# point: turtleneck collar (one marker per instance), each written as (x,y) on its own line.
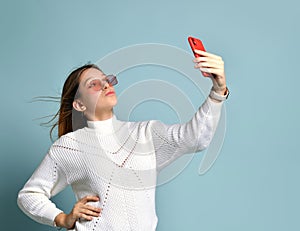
(103,126)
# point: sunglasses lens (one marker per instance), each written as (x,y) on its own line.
(96,84)
(112,80)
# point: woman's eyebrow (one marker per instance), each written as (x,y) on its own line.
(92,77)
(87,80)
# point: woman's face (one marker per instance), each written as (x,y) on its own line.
(97,97)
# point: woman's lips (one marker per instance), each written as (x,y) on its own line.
(110,93)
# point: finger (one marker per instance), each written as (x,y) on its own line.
(206,54)
(210,64)
(90,213)
(86,217)
(208,59)
(86,199)
(212,71)
(92,208)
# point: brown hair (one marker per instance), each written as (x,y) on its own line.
(68,118)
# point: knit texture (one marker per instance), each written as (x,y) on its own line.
(118,161)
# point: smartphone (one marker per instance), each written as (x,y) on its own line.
(196,44)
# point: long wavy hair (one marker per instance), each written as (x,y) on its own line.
(68,118)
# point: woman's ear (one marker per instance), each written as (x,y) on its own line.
(78,105)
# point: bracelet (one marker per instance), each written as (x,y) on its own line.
(216,96)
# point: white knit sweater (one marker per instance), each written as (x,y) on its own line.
(117,161)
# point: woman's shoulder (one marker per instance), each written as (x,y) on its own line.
(146,127)
(68,142)
(67,138)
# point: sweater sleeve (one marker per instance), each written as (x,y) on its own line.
(34,199)
(172,141)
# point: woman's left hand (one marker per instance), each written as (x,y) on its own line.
(213,65)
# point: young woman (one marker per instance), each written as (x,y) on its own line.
(112,165)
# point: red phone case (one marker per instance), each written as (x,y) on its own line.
(196,44)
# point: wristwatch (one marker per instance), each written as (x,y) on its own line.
(215,95)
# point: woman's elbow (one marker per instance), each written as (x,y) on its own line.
(204,143)
(20,200)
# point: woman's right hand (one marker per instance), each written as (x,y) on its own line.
(80,210)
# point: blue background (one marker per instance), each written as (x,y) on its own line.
(254,183)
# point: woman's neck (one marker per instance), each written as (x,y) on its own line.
(101,116)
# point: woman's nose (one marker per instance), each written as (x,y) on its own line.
(106,85)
